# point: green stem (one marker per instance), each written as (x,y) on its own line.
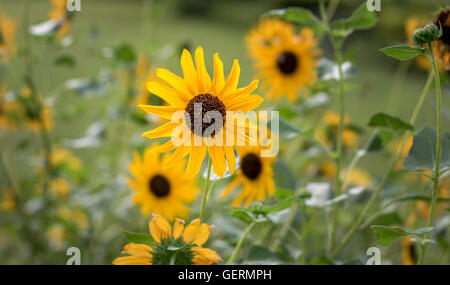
(337,46)
(356,225)
(285,228)
(205,191)
(437,172)
(240,242)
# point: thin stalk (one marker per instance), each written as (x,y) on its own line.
(437,172)
(337,46)
(240,242)
(391,167)
(205,191)
(285,228)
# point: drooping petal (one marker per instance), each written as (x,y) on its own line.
(159,228)
(190,232)
(195,160)
(203,234)
(231,159)
(218,160)
(205,256)
(132,260)
(139,250)
(178,228)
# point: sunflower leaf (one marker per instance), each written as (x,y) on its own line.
(139,238)
(402,52)
(386,121)
(423,151)
(361,19)
(294,14)
(387,235)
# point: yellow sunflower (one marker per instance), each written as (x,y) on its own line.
(329,133)
(8,29)
(59,187)
(188,239)
(62,157)
(59,13)
(161,190)
(255,174)
(408,251)
(285,60)
(218,95)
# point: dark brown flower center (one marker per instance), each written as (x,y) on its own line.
(200,109)
(444,19)
(159,186)
(287,62)
(251,166)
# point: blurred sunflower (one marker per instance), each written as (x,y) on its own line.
(217,95)
(8,203)
(255,174)
(59,187)
(328,135)
(63,157)
(76,216)
(8,29)
(33,123)
(412,23)
(189,240)
(408,251)
(161,190)
(358,177)
(57,236)
(284,59)
(442,19)
(60,13)
(8,110)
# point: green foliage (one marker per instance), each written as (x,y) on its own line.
(386,121)
(361,19)
(423,151)
(260,255)
(295,14)
(139,238)
(402,52)
(387,235)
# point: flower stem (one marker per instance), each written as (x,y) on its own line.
(240,242)
(205,191)
(436,175)
(356,225)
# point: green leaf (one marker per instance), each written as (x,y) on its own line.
(321,260)
(139,238)
(260,255)
(361,19)
(380,140)
(388,219)
(387,235)
(423,151)
(294,14)
(282,194)
(284,178)
(66,60)
(383,120)
(285,129)
(242,215)
(402,52)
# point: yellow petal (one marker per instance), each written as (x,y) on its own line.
(139,250)
(170,95)
(159,228)
(245,104)
(161,132)
(176,82)
(218,80)
(189,73)
(205,256)
(190,232)
(178,228)
(232,80)
(203,79)
(230,187)
(203,234)
(165,112)
(231,159)
(132,260)
(177,156)
(195,160)
(218,160)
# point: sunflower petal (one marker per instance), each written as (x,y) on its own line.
(203,79)
(170,95)
(195,160)
(165,112)
(132,260)
(190,232)
(159,228)
(176,82)
(245,104)
(162,131)
(232,80)
(178,228)
(219,78)
(203,234)
(189,73)
(231,159)
(218,160)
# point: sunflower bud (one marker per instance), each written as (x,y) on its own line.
(426,34)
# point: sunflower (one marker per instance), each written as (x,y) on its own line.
(64,158)
(8,29)
(255,174)
(188,240)
(284,59)
(59,187)
(408,251)
(197,88)
(161,190)
(329,134)
(59,13)
(9,202)
(443,43)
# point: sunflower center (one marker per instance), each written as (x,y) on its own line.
(202,109)
(251,166)
(287,62)
(444,18)
(159,186)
